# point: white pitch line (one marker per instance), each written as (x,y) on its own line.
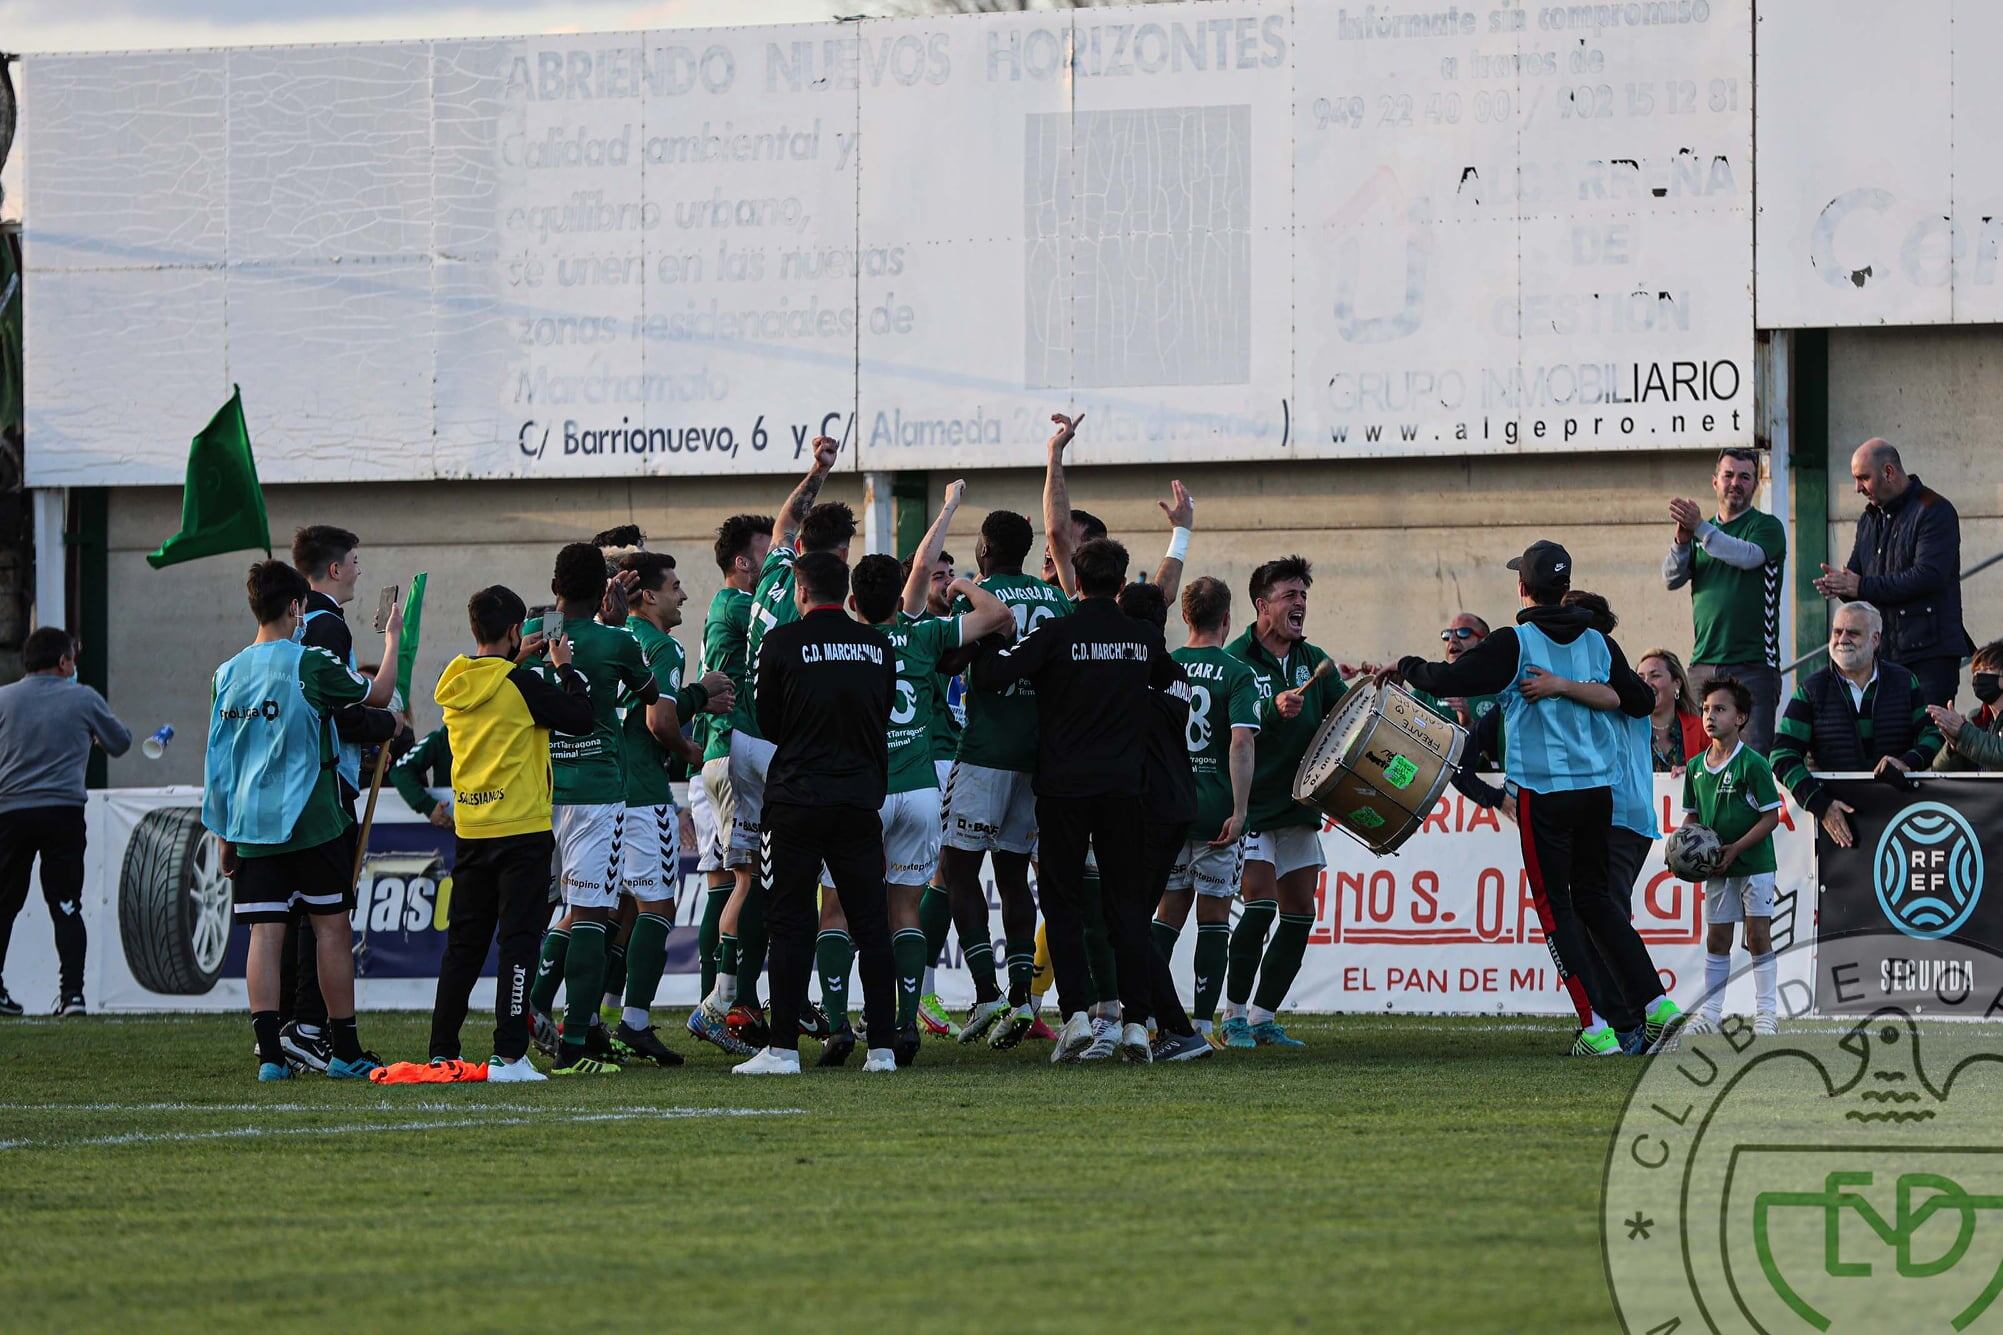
(370,1128)
(381,1105)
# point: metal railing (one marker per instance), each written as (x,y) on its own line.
(1822,649)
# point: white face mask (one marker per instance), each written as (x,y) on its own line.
(299,626)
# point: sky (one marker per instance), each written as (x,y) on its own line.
(121,25)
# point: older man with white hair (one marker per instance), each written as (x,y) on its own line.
(1906,561)
(1862,712)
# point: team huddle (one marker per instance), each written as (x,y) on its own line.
(860,741)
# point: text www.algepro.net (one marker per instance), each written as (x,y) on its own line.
(1563,404)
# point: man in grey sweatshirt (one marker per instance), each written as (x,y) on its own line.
(48,721)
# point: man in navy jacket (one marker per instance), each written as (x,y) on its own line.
(1906,562)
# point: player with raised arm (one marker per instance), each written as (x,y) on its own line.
(814,528)
(1223,731)
(1283,858)
(741,544)
(929,578)
(990,805)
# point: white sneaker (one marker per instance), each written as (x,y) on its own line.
(1105,1041)
(769,1061)
(1073,1038)
(520,1071)
(1766,1024)
(1135,1045)
(880,1059)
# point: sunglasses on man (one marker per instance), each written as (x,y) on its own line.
(1457,633)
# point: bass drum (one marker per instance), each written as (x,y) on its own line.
(1378,765)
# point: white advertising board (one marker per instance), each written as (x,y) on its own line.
(1881,187)
(1447,926)
(1241,230)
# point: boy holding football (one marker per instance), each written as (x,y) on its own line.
(1730,789)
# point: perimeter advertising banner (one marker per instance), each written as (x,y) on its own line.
(1248,229)
(1916,879)
(1446,926)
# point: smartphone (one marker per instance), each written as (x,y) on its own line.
(386,607)
(545,616)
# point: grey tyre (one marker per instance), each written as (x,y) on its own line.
(174,903)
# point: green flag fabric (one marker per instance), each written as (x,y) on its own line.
(222,505)
(406,651)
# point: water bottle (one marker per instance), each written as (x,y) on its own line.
(156,746)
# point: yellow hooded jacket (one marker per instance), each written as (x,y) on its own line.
(498,719)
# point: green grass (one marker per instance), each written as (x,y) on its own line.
(1400,1175)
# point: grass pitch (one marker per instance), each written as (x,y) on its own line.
(1399,1175)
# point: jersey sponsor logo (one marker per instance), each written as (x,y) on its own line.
(268,711)
(841,652)
(480,798)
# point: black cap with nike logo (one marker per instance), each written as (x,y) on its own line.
(1544,567)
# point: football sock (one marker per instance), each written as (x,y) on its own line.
(907,954)
(646,958)
(1021,969)
(724,988)
(1766,984)
(981,964)
(935,919)
(1213,949)
(707,934)
(342,1034)
(1283,960)
(1717,970)
(1248,943)
(834,956)
(1259,1014)
(615,973)
(584,968)
(549,970)
(1045,977)
(1165,937)
(266,1024)
(751,938)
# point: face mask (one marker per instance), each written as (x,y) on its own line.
(1988,687)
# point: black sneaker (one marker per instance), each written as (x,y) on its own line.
(1169,1047)
(71,1006)
(303,1052)
(905,1046)
(836,1050)
(647,1044)
(9,1006)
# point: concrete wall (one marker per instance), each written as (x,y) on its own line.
(1398,548)
(1937,394)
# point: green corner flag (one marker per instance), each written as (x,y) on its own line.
(222,505)
(406,650)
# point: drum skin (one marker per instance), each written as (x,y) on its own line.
(1378,765)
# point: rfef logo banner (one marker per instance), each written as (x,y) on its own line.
(1914,877)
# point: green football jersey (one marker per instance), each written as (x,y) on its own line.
(723,634)
(1478,706)
(1731,799)
(1736,613)
(1282,742)
(1223,696)
(328,684)
(648,764)
(951,718)
(589,770)
(1001,726)
(919,642)
(772,605)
